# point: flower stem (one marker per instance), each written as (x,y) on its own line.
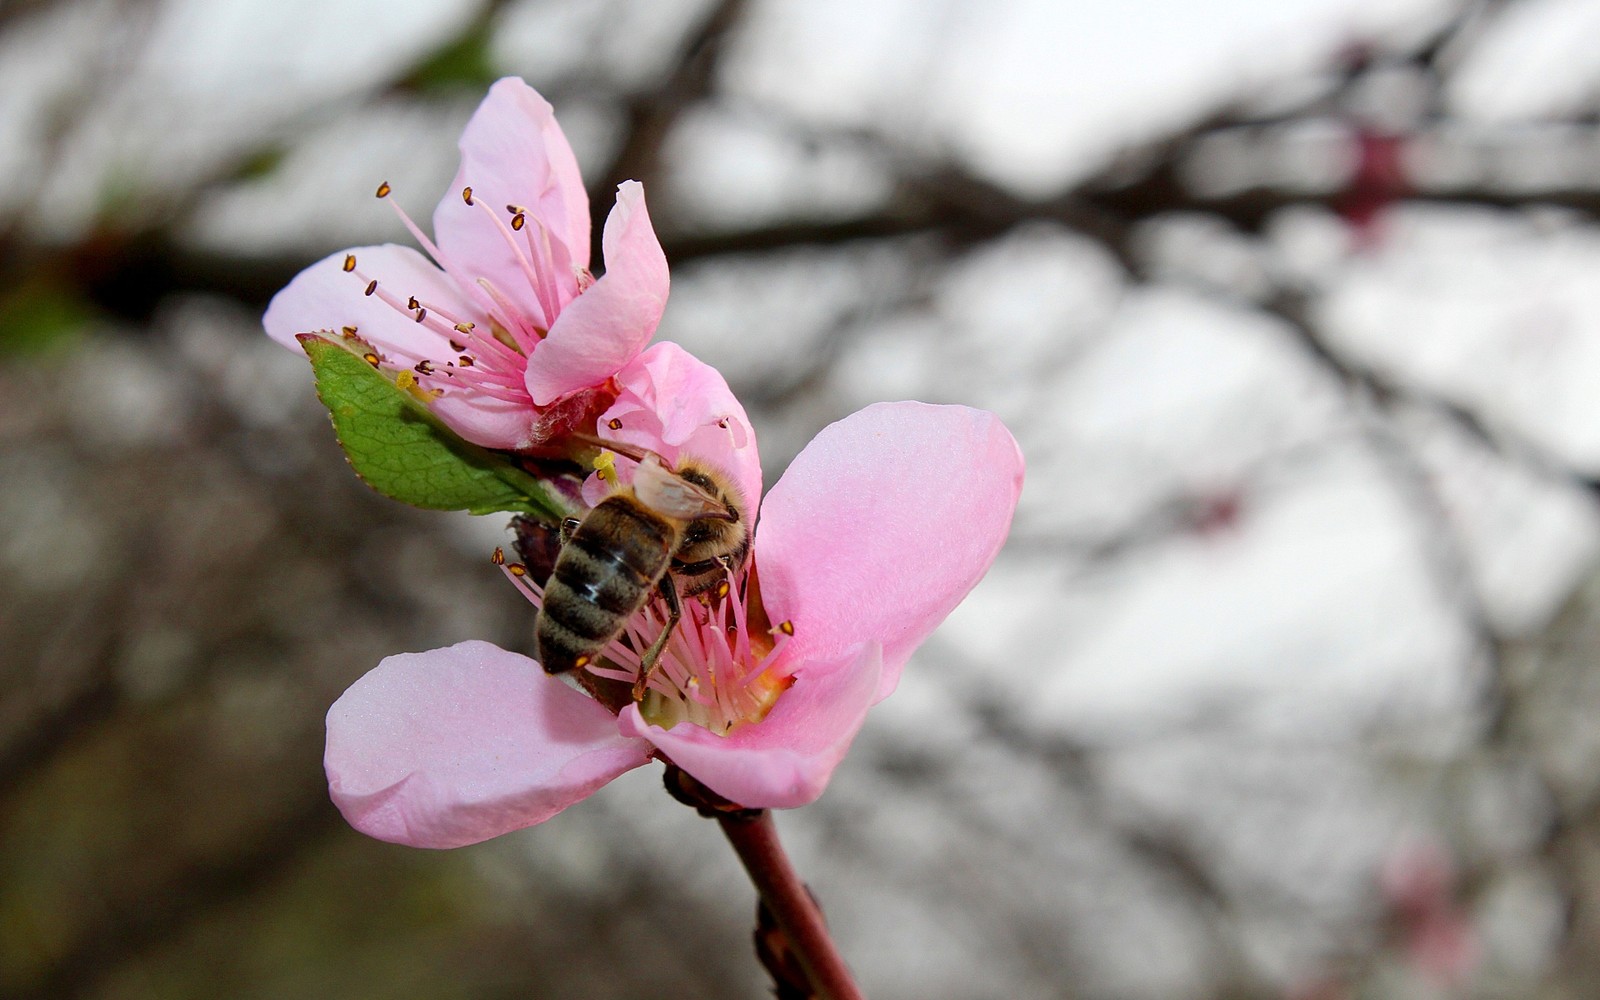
(754,837)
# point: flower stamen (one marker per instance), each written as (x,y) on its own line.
(544,250)
(528,270)
(526,331)
(502,378)
(488,304)
(494,349)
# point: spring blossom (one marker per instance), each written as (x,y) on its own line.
(510,334)
(875,532)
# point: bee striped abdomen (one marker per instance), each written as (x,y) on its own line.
(605,573)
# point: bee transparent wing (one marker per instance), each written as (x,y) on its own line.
(669,494)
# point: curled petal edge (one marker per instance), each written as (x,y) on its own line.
(607,326)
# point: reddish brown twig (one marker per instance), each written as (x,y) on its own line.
(797,932)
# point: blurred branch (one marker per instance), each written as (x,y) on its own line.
(46,734)
(127,274)
(650,115)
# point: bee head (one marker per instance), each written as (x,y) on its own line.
(710,541)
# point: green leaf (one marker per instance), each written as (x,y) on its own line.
(401,450)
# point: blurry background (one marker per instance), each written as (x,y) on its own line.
(1283,687)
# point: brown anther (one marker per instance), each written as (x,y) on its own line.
(423,367)
(458,348)
(349,262)
(722,589)
(348,331)
(515,209)
(582,661)
(412,303)
(517,569)
(466,195)
(422,314)
(370,358)
(518,221)
(723,423)
(787,627)
(499,557)
(614,424)
(383,190)
(466,360)
(463,328)
(372,286)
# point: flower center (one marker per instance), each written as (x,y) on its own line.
(491,358)
(713,672)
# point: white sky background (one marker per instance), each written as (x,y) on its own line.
(1316,616)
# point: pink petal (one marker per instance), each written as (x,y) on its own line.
(457,745)
(784,760)
(677,406)
(883,524)
(607,326)
(486,420)
(514,153)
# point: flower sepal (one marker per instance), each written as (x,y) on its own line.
(399,448)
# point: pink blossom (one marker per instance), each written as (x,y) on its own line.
(1418,883)
(510,332)
(1378,180)
(876,531)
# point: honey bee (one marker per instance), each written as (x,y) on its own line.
(672,528)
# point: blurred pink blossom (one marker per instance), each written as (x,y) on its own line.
(1436,934)
(1378,180)
(514,337)
(878,529)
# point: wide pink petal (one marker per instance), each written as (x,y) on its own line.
(607,326)
(883,524)
(457,745)
(514,153)
(679,407)
(784,760)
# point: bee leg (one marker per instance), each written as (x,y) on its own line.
(647,662)
(701,579)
